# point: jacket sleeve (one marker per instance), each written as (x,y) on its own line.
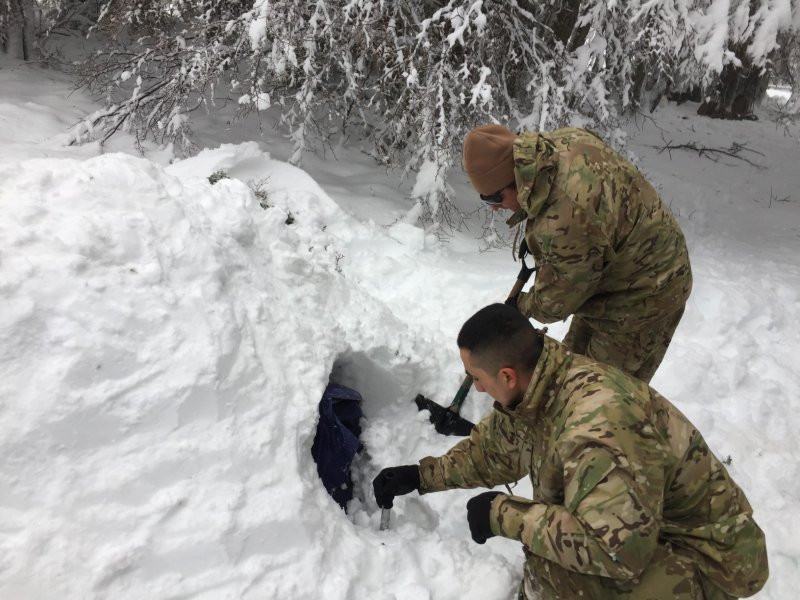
(569,248)
(495,453)
(608,524)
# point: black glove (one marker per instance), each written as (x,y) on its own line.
(525,272)
(395,481)
(478,509)
(523,251)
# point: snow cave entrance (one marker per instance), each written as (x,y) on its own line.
(362,389)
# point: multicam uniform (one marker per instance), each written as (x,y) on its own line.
(629,502)
(607,249)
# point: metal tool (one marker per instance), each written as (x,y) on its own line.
(447,420)
(386,513)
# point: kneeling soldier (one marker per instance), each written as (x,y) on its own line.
(629,502)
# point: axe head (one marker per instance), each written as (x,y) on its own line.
(445,421)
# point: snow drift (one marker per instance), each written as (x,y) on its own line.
(166,343)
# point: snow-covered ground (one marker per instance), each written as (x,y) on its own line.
(164,343)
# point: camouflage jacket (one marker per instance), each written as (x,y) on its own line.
(605,245)
(616,470)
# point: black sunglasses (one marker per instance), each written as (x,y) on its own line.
(496,198)
(490,199)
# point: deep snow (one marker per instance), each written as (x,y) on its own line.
(164,342)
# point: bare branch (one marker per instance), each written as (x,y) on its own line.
(712,154)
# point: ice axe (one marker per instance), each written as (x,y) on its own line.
(448,421)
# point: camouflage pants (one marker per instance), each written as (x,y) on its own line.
(637,352)
(668,577)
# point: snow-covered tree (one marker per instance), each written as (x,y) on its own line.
(745,37)
(410,77)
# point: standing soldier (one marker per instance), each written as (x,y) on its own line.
(629,502)
(608,251)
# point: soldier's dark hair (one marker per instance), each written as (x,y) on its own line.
(499,336)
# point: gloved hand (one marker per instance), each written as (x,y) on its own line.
(395,481)
(524,274)
(478,509)
(523,251)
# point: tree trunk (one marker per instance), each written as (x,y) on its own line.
(786,67)
(561,19)
(16,28)
(738,90)
(563,25)
(647,86)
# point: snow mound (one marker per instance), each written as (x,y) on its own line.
(165,342)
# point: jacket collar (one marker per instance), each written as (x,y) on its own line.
(536,164)
(546,381)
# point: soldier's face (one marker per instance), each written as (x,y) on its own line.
(509,200)
(503,386)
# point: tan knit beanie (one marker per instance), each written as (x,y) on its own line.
(489,158)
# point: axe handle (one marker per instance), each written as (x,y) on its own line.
(461,394)
(518,285)
(463,390)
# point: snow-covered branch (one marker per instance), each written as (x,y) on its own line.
(413,77)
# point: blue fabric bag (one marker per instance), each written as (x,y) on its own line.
(336,442)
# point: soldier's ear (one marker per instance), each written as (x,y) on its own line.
(509,377)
